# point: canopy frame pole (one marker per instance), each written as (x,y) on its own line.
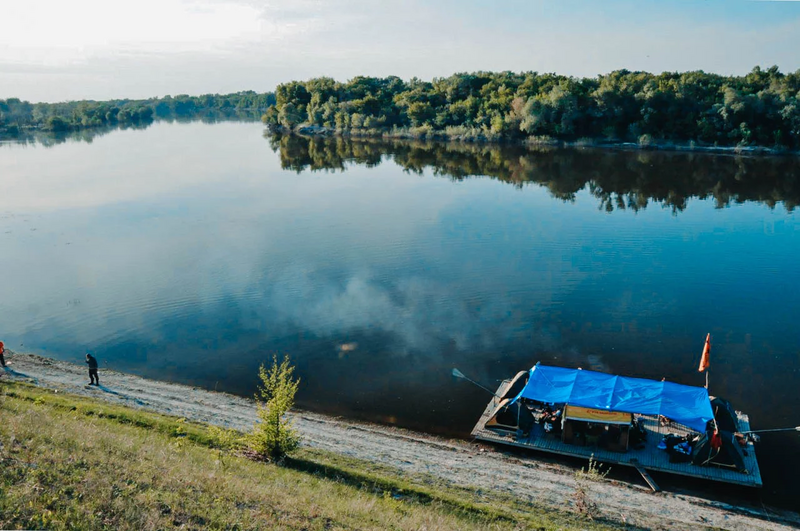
(796,428)
(459,374)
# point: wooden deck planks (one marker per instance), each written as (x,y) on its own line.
(639,468)
(650,457)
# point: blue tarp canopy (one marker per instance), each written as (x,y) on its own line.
(684,404)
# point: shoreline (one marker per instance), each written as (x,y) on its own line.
(459,463)
(532,142)
(36,133)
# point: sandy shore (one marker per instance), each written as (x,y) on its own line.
(459,463)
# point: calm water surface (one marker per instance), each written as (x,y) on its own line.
(192,252)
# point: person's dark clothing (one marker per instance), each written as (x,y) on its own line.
(2,359)
(92,362)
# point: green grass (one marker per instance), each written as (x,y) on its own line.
(68,462)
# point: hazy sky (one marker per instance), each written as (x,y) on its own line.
(52,50)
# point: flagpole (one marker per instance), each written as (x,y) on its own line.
(704,358)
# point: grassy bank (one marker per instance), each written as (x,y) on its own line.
(471,135)
(74,463)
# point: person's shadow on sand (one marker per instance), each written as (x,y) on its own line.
(101,387)
(105,389)
(109,391)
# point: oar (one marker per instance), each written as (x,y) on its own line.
(459,374)
(796,428)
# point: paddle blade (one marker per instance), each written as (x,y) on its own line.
(458,374)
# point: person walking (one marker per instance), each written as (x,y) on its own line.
(2,353)
(92,362)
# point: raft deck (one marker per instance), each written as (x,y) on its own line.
(649,457)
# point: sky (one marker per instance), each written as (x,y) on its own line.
(51,50)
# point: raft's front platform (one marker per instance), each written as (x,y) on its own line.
(649,457)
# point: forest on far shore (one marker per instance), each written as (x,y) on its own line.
(17,116)
(761,108)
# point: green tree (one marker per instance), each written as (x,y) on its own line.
(420,113)
(289,115)
(553,113)
(273,436)
(57,124)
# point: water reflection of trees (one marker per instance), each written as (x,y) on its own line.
(620,180)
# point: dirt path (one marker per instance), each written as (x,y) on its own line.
(460,463)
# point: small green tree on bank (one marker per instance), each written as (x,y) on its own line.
(273,436)
(584,503)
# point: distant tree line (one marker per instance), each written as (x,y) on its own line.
(620,180)
(18,117)
(761,108)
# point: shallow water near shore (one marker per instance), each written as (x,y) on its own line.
(193,252)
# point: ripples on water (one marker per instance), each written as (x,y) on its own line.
(192,252)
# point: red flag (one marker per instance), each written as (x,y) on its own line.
(704,361)
(716,440)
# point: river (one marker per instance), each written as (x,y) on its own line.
(194,252)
